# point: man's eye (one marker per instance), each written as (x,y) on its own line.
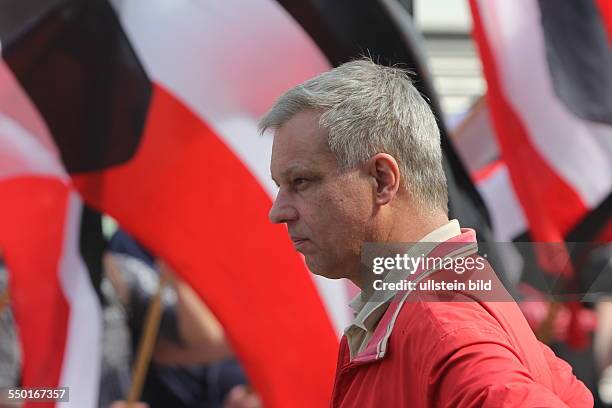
(299,181)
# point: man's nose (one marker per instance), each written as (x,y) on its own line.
(282,211)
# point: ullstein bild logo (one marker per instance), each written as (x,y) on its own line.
(432,285)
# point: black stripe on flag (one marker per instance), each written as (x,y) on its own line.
(78,67)
(92,246)
(593,223)
(19,16)
(579,57)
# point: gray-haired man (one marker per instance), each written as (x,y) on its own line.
(357,159)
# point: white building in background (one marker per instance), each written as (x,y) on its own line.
(453,58)
(455,65)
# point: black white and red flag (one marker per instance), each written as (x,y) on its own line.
(548,66)
(56,309)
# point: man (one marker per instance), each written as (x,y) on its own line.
(357,159)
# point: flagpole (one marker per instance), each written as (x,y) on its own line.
(4,300)
(4,295)
(147,343)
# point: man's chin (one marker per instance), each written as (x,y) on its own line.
(319,269)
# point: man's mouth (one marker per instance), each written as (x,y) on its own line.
(298,242)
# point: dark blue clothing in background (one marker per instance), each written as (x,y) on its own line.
(197,386)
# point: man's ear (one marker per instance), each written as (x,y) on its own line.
(384,170)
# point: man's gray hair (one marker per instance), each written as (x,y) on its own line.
(366,109)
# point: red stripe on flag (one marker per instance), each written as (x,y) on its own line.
(32,217)
(188,198)
(605,9)
(486,172)
(551,206)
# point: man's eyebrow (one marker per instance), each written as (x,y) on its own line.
(294,168)
(291,169)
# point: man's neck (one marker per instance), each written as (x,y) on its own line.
(408,229)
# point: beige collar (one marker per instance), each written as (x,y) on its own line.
(369,313)
(441,234)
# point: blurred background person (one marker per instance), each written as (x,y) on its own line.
(193,365)
(10,355)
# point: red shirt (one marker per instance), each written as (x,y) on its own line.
(455,354)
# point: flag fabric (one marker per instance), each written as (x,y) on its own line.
(57,312)
(475,140)
(507,217)
(550,96)
(475,136)
(548,67)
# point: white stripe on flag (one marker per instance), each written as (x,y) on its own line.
(83,340)
(336,297)
(507,217)
(27,147)
(22,154)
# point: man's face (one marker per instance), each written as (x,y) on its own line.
(328,214)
